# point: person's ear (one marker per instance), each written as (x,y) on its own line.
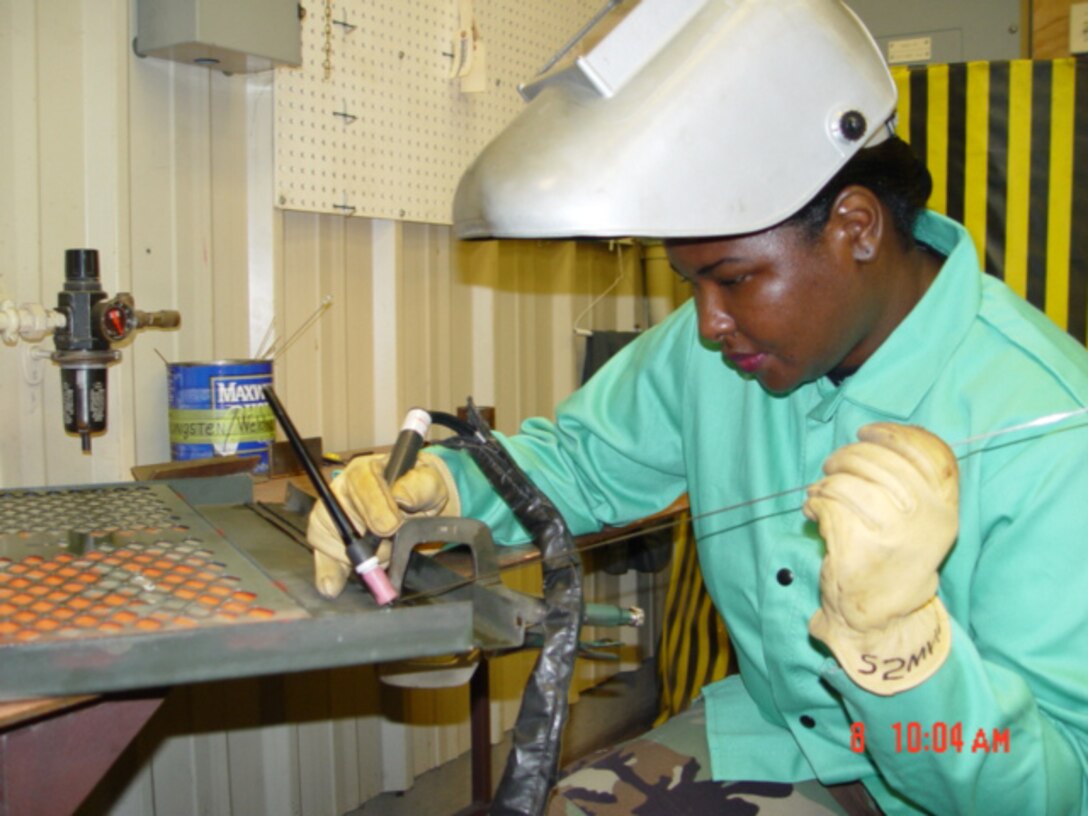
(857,223)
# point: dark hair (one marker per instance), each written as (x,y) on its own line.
(892,171)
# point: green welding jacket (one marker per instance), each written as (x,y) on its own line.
(1002,726)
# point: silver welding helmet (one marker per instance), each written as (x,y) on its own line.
(686,118)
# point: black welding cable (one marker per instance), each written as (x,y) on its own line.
(533,764)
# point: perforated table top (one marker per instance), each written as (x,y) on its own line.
(78,563)
(127,586)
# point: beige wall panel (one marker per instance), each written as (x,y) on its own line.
(506,347)
(522,340)
(438,720)
(171,765)
(368,731)
(229,217)
(433,323)
(367,361)
(297,376)
(308,704)
(450,378)
(434,289)
(356,369)
(478,272)
(1050,28)
(152,249)
(356,695)
(247,753)
(331,331)
(565,347)
(190,122)
(333,358)
(419,309)
(542,277)
(173,236)
(61,138)
(188,244)
(264,227)
(386,309)
(106,204)
(21,409)
(631,311)
(465,375)
(213,712)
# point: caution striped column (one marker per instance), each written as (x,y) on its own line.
(1007,144)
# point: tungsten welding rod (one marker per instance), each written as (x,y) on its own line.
(361,549)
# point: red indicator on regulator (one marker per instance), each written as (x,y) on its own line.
(116,323)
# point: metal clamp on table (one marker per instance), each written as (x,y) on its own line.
(501,615)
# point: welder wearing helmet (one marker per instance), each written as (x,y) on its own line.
(913,639)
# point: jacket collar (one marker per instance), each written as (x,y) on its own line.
(899,374)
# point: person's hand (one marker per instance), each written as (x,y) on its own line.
(426,490)
(888,512)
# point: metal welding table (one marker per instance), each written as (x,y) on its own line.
(111,594)
(124,590)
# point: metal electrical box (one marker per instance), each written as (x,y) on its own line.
(233,36)
(939,31)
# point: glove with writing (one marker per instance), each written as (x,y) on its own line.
(372,504)
(888,512)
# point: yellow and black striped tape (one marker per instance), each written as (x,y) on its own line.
(694,648)
(1007,144)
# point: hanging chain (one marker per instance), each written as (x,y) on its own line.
(327,64)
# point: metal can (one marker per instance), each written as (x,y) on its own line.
(218,409)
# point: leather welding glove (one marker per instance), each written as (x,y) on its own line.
(372,504)
(888,512)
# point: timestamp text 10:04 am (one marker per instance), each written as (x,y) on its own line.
(937,738)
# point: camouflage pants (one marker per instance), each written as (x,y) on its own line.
(666,772)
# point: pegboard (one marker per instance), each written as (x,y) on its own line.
(374,124)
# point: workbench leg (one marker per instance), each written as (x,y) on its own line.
(48,767)
(479,705)
(479,691)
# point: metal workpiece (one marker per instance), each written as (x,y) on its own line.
(117,587)
(501,616)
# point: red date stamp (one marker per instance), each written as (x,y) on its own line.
(937,738)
